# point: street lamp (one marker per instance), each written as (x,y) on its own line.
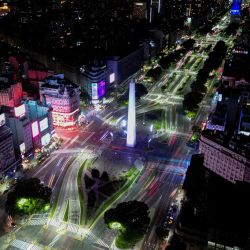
(151,127)
(112,135)
(149,142)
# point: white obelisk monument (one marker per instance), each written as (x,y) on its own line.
(131,123)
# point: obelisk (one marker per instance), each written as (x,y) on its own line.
(131,123)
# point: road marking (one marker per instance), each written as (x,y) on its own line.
(64,165)
(75,138)
(90,124)
(87,138)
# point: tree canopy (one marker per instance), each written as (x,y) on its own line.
(28,196)
(131,219)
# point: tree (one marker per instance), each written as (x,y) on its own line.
(191,100)
(163,88)
(105,176)
(29,196)
(131,219)
(140,90)
(161,232)
(155,73)
(95,173)
(188,44)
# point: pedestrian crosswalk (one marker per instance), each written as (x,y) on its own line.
(36,222)
(93,238)
(23,245)
(72,228)
(55,222)
(38,219)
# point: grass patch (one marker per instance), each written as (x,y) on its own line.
(80,191)
(54,207)
(107,204)
(157,125)
(131,172)
(191,114)
(66,214)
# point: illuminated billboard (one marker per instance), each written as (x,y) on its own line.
(20,111)
(44,124)
(45,140)
(2,120)
(112,78)
(94,91)
(235,10)
(101,88)
(35,129)
(22,147)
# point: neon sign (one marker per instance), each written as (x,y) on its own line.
(35,129)
(44,124)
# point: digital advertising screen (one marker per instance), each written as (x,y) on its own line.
(112,78)
(35,129)
(2,119)
(44,124)
(45,140)
(94,91)
(101,88)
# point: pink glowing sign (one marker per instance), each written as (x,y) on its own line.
(35,129)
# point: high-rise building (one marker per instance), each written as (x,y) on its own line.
(95,79)
(64,98)
(31,125)
(155,9)
(17,120)
(140,10)
(225,141)
(7,154)
(41,122)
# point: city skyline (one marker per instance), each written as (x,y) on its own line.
(109,107)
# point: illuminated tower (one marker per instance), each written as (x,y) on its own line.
(155,8)
(131,127)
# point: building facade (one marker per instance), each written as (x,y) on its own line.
(224,161)
(95,80)
(7,154)
(10,92)
(124,67)
(31,125)
(63,97)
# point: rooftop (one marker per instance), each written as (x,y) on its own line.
(237,143)
(217,205)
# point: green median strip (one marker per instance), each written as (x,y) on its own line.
(107,204)
(80,191)
(86,163)
(66,214)
(53,208)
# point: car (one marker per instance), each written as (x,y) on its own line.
(170,221)
(13,225)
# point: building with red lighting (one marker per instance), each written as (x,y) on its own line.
(64,98)
(31,125)
(10,92)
